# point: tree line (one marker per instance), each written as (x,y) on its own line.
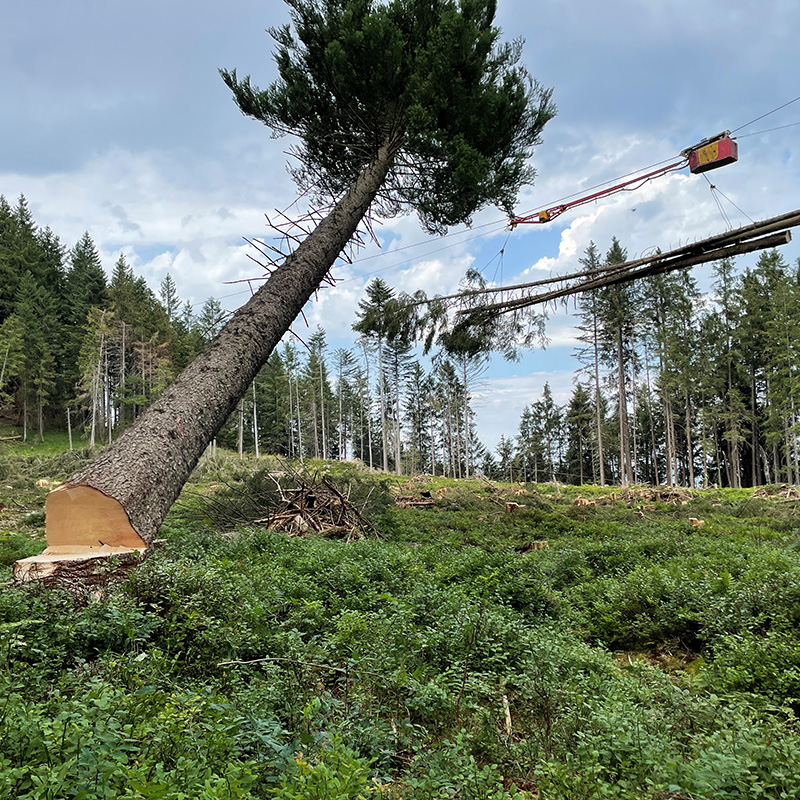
(78,349)
(81,351)
(676,386)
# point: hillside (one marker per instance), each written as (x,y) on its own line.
(555,649)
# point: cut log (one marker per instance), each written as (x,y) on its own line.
(57,564)
(79,516)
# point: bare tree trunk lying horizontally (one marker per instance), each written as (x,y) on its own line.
(120,499)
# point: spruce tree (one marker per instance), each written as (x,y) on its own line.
(579,424)
(40,328)
(589,354)
(86,283)
(616,311)
(397,106)
(12,355)
(374,324)
(168,292)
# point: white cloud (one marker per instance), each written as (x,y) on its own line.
(499,401)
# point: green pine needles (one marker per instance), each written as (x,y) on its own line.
(429,82)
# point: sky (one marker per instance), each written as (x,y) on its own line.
(114,120)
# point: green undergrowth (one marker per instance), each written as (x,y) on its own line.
(552,651)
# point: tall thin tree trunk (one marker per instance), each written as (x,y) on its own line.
(122,371)
(651,420)
(107,392)
(794,442)
(314,427)
(342,451)
(5,361)
(703,439)
(465,416)
(635,430)
(299,420)
(717,454)
(382,395)
(398,464)
(669,442)
(255,421)
(95,390)
(597,405)
(369,438)
(689,446)
(626,476)
(290,425)
(240,430)
(433,445)
(322,412)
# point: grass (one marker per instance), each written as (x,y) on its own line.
(53,443)
(554,651)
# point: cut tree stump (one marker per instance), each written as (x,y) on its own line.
(84,528)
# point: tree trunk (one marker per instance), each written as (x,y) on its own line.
(597,409)
(314,428)
(255,422)
(382,395)
(322,411)
(40,418)
(146,468)
(689,445)
(651,421)
(107,392)
(626,475)
(240,431)
(290,421)
(467,442)
(5,361)
(299,419)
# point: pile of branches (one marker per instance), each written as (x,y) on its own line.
(785,492)
(291,502)
(655,494)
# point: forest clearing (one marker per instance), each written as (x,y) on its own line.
(243,560)
(499,640)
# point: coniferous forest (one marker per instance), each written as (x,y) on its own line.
(677,386)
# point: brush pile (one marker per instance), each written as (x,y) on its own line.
(316,505)
(774,492)
(292,502)
(654,494)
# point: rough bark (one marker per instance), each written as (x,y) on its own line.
(145,469)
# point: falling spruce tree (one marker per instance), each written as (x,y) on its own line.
(395,106)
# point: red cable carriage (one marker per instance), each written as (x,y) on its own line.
(707,154)
(716,151)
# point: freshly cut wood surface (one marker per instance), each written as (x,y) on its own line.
(80,516)
(83,527)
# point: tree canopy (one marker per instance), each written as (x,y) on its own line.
(428,80)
